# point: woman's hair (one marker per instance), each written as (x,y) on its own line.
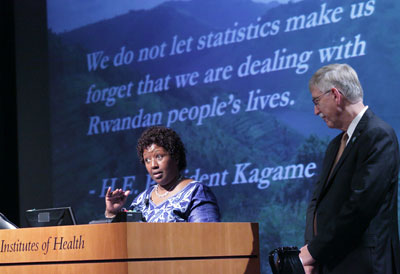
(166,138)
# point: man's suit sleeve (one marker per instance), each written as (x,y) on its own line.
(309,231)
(308,234)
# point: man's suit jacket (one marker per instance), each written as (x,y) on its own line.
(356,208)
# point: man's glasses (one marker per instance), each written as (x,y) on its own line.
(318,98)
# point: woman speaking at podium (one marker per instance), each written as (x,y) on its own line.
(173,198)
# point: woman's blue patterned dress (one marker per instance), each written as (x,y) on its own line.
(194,203)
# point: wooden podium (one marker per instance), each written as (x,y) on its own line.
(132,248)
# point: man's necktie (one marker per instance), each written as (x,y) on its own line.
(343,143)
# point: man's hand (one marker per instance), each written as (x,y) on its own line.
(308,261)
(310,269)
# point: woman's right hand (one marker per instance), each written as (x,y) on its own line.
(115,200)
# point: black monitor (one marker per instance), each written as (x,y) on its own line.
(50,217)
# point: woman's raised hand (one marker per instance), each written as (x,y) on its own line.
(115,200)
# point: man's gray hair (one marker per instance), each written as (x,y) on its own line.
(340,76)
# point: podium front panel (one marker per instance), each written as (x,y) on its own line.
(132,248)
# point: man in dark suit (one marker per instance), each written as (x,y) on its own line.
(352,223)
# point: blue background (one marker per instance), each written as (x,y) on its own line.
(276,137)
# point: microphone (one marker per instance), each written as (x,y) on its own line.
(146,200)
